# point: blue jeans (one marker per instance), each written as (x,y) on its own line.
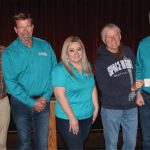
(112,119)
(26,119)
(73,141)
(144,112)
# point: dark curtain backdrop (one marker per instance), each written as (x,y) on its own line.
(54,20)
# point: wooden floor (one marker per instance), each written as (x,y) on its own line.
(95,141)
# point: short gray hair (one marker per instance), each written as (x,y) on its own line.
(109,26)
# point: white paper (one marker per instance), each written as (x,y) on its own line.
(147,82)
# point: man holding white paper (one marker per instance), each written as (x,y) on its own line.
(143,94)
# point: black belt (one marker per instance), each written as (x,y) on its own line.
(145,93)
(35,97)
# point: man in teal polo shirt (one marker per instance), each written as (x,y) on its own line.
(27,64)
(143,94)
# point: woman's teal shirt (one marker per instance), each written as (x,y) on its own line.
(78,90)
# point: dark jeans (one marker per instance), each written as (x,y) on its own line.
(27,118)
(145,122)
(73,141)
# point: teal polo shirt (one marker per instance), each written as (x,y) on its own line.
(78,90)
(27,70)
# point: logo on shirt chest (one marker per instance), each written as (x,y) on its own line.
(118,66)
(42,54)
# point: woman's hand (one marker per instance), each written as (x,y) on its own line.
(73,122)
(95,115)
(74,127)
(95,102)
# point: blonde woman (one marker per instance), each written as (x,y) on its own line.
(76,95)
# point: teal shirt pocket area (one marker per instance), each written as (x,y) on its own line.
(78,90)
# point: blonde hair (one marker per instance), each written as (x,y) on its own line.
(110,26)
(64,55)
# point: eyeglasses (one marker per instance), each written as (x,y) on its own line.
(110,38)
(28,27)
